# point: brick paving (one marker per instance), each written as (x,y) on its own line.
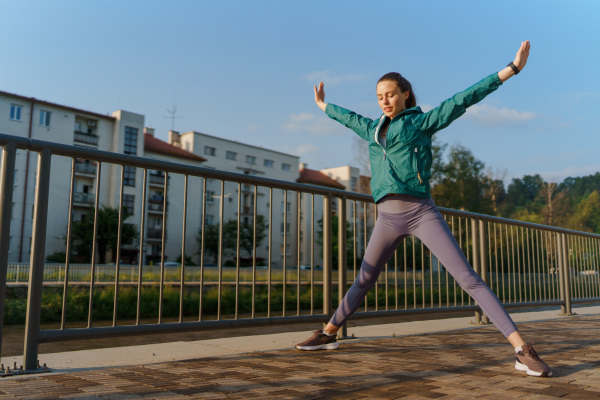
(474,363)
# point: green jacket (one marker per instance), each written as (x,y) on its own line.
(404,166)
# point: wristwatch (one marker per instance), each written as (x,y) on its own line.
(513,67)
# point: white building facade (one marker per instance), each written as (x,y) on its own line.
(121,132)
(124,132)
(231,156)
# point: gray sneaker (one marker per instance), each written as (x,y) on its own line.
(529,361)
(319,341)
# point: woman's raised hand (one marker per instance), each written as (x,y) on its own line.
(522,55)
(320,96)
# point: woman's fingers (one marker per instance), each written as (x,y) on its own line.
(522,54)
(320,92)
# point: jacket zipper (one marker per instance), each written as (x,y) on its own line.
(381,121)
(417,164)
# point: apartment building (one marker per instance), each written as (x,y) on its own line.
(121,132)
(172,216)
(231,156)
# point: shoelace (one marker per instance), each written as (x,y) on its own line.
(533,354)
(320,334)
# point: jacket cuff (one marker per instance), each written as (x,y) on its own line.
(495,80)
(330,110)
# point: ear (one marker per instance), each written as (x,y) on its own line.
(406,94)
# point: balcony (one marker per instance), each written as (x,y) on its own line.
(156,207)
(156,179)
(85,199)
(87,138)
(85,168)
(154,233)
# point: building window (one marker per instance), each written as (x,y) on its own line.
(209,151)
(45,118)
(231,155)
(251,159)
(131,135)
(208,219)
(210,196)
(287,226)
(128,203)
(269,163)
(15,112)
(286,167)
(288,206)
(129,176)
(353,183)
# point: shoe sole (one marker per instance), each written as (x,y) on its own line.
(519,366)
(328,346)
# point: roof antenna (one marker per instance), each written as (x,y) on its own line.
(173,117)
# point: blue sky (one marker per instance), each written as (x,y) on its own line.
(244,70)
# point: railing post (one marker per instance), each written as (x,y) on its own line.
(342,259)
(7,180)
(475,252)
(483,252)
(561,278)
(566,271)
(36,263)
(327,259)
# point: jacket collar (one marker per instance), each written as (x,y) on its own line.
(383,118)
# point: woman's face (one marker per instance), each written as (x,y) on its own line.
(391,100)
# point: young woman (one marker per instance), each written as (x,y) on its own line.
(400,156)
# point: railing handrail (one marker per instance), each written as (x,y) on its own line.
(169,166)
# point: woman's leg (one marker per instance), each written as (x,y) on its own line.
(384,241)
(438,238)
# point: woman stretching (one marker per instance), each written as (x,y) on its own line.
(400,156)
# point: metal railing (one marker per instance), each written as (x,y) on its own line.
(525,264)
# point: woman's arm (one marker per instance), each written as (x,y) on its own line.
(449,110)
(519,62)
(359,124)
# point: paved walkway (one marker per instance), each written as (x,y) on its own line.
(468,363)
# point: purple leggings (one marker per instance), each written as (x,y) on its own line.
(403,215)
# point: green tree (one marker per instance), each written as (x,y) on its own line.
(247,234)
(523,193)
(494,193)
(587,214)
(552,197)
(211,240)
(82,233)
(437,163)
(230,231)
(462,184)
